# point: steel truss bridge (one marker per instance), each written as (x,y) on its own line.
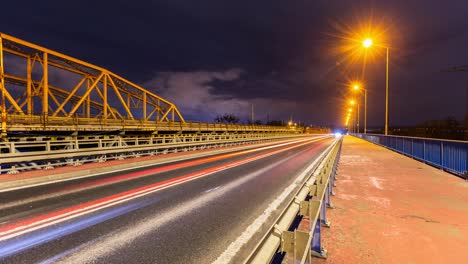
(44,90)
(58,110)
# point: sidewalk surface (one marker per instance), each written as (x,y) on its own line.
(392,209)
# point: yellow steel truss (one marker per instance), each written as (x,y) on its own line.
(26,89)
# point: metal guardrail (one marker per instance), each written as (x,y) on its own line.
(50,154)
(41,123)
(449,155)
(309,206)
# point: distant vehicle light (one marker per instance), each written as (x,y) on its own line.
(338,135)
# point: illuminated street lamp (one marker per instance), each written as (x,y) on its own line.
(367,43)
(357,87)
(350,110)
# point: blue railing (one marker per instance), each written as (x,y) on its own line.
(449,155)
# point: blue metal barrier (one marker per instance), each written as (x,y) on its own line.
(449,155)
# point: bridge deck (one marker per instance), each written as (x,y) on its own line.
(393,209)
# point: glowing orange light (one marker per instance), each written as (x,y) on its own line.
(358,41)
(367,43)
(352,102)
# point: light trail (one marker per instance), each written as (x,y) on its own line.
(140,174)
(32,224)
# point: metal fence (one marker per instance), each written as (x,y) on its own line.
(292,241)
(449,155)
(29,155)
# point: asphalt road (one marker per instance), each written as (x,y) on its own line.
(182,212)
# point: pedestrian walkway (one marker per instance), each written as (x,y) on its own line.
(390,208)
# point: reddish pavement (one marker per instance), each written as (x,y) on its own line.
(392,209)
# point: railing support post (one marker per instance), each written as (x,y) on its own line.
(327,196)
(316,244)
(323,214)
(424,150)
(442,155)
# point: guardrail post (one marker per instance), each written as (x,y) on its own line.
(316,244)
(331,183)
(323,215)
(327,197)
(295,243)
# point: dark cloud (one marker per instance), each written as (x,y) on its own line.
(279,52)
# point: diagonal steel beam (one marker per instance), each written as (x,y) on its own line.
(80,83)
(78,104)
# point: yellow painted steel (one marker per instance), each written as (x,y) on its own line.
(99,93)
(3,90)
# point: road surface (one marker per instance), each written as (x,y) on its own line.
(182,212)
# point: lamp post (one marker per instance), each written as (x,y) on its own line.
(348,117)
(367,43)
(357,87)
(352,102)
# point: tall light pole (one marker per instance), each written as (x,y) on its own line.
(358,87)
(365,111)
(348,117)
(367,43)
(352,102)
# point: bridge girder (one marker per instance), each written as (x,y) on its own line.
(81,89)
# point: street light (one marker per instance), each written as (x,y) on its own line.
(367,43)
(357,87)
(350,110)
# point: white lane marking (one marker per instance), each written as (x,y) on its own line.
(108,203)
(212,189)
(376,182)
(121,238)
(126,169)
(48,196)
(253,228)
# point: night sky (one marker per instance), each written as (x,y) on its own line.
(283,56)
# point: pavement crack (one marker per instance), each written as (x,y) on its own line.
(420,218)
